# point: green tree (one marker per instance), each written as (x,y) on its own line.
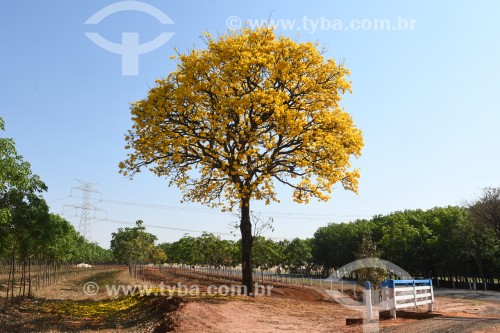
(445,249)
(266,254)
(368,250)
(16,181)
(158,256)
(334,245)
(133,245)
(215,251)
(479,245)
(297,254)
(485,211)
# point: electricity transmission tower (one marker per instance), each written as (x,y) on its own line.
(86,207)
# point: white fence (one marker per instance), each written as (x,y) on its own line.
(398,294)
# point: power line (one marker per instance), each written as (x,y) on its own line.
(165,227)
(300,216)
(56,200)
(177,229)
(164,207)
(86,207)
(173,228)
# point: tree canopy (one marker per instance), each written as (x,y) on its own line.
(135,245)
(250,109)
(485,210)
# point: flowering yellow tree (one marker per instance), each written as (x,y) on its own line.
(250,109)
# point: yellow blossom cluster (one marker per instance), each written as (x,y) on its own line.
(250,109)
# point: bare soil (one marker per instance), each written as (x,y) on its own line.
(457,312)
(64,307)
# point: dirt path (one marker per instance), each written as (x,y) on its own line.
(72,287)
(460,311)
(449,325)
(293,315)
(287,308)
(263,315)
(64,307)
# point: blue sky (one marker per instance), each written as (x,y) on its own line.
(425,98)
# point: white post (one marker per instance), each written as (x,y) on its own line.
(368,301)
(392,300)
(431,304)
(414,293)
(384,298)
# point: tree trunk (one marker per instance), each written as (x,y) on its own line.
(8,285)
(13,281)
(479,263)
(29,278)
(246,246)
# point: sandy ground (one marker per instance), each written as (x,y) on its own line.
(72,287)
(289,308)
(263,315)
(455,311)
(460,311)
(36,315)
(276,315)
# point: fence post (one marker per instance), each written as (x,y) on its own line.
(384,296)
(392,298)
(368,300)
(431,304)
(414,293)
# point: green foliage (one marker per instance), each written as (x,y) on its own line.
(266,253)
(334,245)
(441,241)
(297,254)
(485,211)
(135,245)
(28,232)
(15,174)
(214,251)
(208,249)
(368,249)
(16,182)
